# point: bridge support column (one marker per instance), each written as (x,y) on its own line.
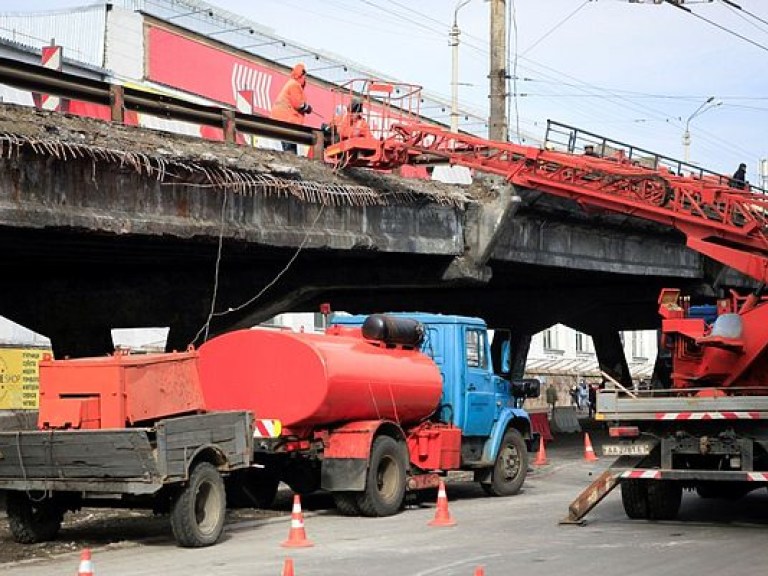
(519,344)
(610,356)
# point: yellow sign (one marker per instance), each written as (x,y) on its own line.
(19,378)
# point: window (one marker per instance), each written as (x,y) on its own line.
(475,347)
(549,337)
(638,345)
(583,343)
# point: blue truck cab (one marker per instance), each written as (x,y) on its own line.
(476,399)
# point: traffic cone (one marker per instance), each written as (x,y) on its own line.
(86,566)
(442,514)
(541,456)
(479,571)
(287,568)
(297,538)
(589,453)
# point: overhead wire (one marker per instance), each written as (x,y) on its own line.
(512,26)
(423,23)
(740,8)
(746,19)
(280,274)
(716,25)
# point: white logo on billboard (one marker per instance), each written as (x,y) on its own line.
(246,78)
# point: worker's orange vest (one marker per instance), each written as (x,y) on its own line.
(288,102)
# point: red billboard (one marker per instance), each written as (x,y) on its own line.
(217,74)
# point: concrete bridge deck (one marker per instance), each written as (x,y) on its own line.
(105,226)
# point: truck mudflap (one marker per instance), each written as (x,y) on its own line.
(593,494)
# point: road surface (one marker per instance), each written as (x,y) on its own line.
(517,535)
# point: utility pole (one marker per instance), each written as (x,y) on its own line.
(497,124)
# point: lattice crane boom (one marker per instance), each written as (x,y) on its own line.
(724,223)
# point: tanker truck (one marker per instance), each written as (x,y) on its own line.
(374,407)
(366,410)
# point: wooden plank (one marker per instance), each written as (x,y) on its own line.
(126,486)
(83,454)
(178,439)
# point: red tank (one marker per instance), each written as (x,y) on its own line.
(315,379)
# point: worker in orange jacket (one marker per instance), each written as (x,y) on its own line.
(291,104)
(352,124)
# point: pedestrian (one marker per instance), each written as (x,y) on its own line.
(291,104)
(739,179)
(592,400)
(551,394)
(574,392)
(583,395)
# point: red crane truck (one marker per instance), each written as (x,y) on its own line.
(704,425)
(365,411)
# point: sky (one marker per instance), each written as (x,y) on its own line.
(631,71)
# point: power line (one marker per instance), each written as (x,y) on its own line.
(737,7)
(555,27)
(715,24)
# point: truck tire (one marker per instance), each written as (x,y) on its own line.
(634,497)
(197,512)
(664,499)
(385,482)
(346,503)
(32,521)
(251,488)
(510,468)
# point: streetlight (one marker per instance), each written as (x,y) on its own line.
(698,112)
(453,42)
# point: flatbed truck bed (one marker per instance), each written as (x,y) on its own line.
(176,466)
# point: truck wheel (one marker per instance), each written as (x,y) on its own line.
(197,513)
(634,497)
(32,521)
(385,482)
(511,466)
(251,488)
(664,499)
(346,503)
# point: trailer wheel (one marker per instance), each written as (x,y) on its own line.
(634,497)
(251,488)
(197,512)
(32,521)
(510,468)
(664,499)
(346,503)
(385,482)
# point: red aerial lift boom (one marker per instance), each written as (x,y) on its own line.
(724,223)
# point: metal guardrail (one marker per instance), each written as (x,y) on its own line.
(120,99)
(574,140)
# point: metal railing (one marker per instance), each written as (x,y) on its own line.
(121,98)
(574,140)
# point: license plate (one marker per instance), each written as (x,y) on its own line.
(634,449)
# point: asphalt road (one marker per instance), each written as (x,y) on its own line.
(517,535)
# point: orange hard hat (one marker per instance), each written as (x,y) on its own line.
(298,71)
